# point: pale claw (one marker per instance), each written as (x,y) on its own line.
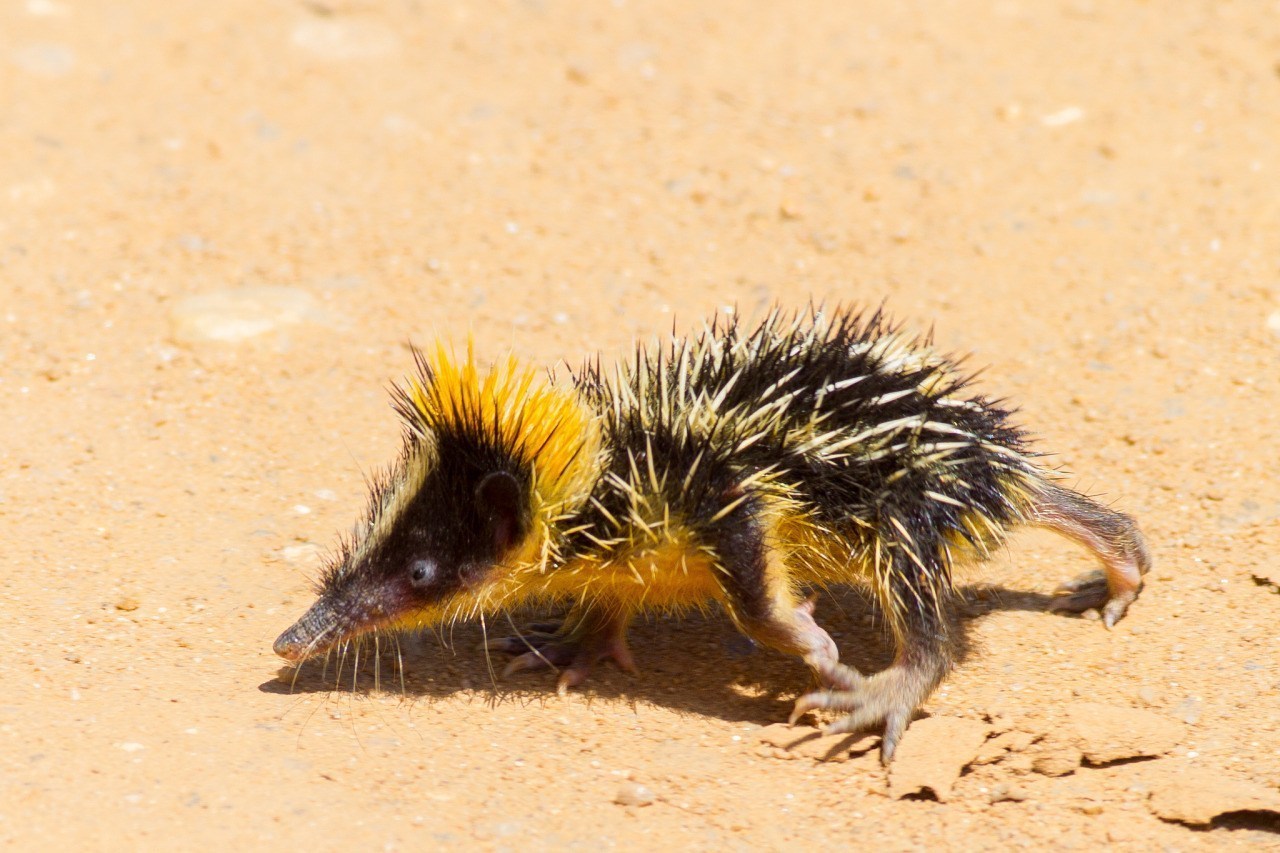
(842,685)
(1090,591)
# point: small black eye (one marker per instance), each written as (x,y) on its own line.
(422,572)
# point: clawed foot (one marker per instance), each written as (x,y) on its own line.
(885,700)
(1091,592)
(570,650)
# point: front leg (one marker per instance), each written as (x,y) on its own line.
(587,636)
(761,598)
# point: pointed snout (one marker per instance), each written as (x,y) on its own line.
(338,616)
(289,646)
(315,633)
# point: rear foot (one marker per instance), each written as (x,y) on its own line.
(1090,591)
(572,647)
(1112,536)
(886,700)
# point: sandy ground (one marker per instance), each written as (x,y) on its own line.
(221,222)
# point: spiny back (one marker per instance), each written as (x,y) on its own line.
(836,411)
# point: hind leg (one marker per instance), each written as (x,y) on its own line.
(1112,536)
(918,607)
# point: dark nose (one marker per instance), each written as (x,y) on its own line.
(314,633)
(287,645)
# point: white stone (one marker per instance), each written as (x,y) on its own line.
(45,60)
(1064,116)
(344,40)
(238,314)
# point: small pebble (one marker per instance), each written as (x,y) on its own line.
(1063,117)
(1189,710)
(45,60)
(237,314)
(1005,792)
(633,794)
(339,41)
(127,603)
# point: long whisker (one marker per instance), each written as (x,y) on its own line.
(303,728)
(531,647)
(355,667)
(342,659)
(400,665)
(488,661)
(306,654)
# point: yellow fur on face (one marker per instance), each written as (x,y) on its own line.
(538,422)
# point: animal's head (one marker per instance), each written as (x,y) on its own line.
(491,460)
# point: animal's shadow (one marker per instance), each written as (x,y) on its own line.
(698,664)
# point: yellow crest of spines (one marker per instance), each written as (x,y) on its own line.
(518,409)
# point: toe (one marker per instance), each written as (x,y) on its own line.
(507,645)
(527,661)
(1115,609)
(858,721)
(839,676)
(620,653)
(805,704)
(1088,580)
(571,678)
(895,724)
(826,700)
(1080,594)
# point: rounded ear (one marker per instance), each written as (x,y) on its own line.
(499,499)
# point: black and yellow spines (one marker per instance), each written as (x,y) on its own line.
(855,442)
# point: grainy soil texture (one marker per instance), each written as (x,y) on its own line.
(221,224)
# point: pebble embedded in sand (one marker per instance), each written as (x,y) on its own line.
(1063,117)
(307,554)
(633,794)
(45,60)
(1005,792)
(32,191)
(238,314)
(343,40)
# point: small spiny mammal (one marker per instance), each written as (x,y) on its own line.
(742,466)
